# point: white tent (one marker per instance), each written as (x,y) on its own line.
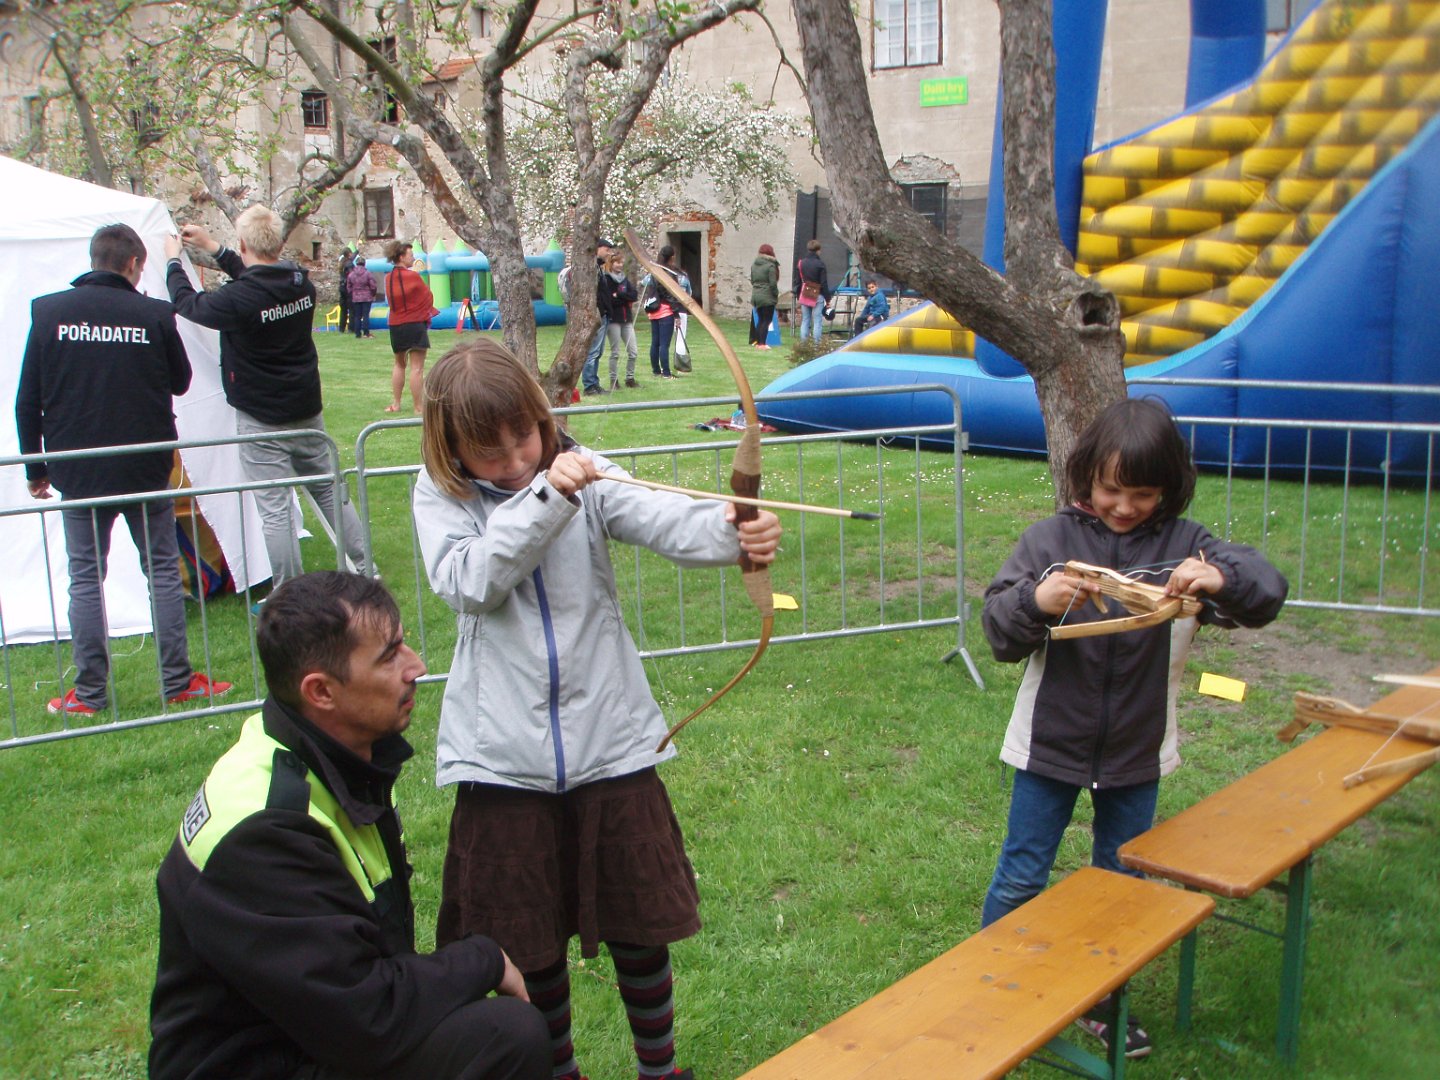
(44,245)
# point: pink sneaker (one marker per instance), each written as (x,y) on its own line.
(200,687)
(70,705)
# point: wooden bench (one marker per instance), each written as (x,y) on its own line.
(1005,993)
(1246,836)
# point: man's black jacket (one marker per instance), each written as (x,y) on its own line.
(101,365)
(270,953)
(265,315)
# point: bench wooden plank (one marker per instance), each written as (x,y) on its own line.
(1245,835)
(998,997)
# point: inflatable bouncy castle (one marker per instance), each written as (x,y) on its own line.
(459,278)
(1285,229)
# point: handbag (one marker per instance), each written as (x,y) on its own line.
(810,290)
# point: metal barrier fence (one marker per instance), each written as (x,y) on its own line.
(1347,541)
(135,689)
(904,572)
(1348,538)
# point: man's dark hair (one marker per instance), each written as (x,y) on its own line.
(1148,450)
(309,623)
(113,246)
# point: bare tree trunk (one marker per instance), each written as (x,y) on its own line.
(1062,328)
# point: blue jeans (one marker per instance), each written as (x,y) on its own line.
(360,317)
(812,320)
(1040,809)
(661,331)
(590,373)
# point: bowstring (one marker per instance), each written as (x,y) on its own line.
(1400,727)
(655,670)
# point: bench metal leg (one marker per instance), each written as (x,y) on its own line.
(1079,1062)
(1292,968)
(1184,998)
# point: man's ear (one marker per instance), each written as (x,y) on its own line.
(317,691)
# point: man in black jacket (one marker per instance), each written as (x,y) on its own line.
(101,365)
(287,933)
(271,374)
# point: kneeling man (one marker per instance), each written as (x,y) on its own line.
(287,936)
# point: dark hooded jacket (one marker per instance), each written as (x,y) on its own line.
(286,928)
(101,366)
(265,315)
(1099,712)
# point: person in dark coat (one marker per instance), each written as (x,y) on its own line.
(287,931)
(271,374)
(101,368)
(812,291)
(347,260)
(764,294)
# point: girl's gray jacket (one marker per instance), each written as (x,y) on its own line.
(547,690)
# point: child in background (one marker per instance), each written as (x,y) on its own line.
(876,309)
(1099,713)
(616,296)
(548,729)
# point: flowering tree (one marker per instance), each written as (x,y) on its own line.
(685,134)
(195,66)
(465,158)
(133,90)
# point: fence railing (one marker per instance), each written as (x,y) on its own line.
(135,689)
(903,572)
(1348,539)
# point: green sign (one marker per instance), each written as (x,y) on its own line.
(944,92)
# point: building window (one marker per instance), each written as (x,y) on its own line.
(379,214)
(315,109)
(146,122)
(389,107)
(480,22)
(929,201)
(905,33)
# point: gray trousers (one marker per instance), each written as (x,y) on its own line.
(87,544)
(281,459)
(621,334)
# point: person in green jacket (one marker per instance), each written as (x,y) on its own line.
(764,294)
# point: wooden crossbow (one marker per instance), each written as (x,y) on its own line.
(1314,709)
(1148,604)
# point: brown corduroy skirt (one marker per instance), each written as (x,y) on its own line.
(532,869)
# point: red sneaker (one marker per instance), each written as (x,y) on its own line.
(200,686)
(70,705)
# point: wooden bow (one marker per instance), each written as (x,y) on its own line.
(744,478)
(1314,709)
(1149,604)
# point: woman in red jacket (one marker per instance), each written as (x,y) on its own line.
(411,309)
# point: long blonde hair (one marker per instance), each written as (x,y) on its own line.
(477,391)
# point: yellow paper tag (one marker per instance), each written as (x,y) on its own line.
(783,602)
(1222,687)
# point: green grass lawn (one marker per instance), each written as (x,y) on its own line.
(843,808)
